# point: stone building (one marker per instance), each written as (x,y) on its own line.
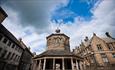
(10,50)
(58,55)
(98,53)
(26,61)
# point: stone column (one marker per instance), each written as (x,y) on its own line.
(44,64)
(4,68)
(53,63)
(35,65)
(81,65)
(63,64)
(72,64)
(77,67)
(84,65)
(39,67)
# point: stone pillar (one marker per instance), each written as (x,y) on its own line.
(84,66)
(53,63)
(35,67)
(72,64)
(39,67)
(63,66)
(44,64)
(4,68)
(81,65)
(77,67)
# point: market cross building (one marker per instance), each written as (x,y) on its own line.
(58,55)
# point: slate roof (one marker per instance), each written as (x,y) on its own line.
(57,34)
(108,40)
(53,53)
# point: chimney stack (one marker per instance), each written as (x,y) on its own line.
(3,15)
(86,39)
(108,35)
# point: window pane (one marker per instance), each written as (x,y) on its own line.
(113,54)
(0,50)
(1,37)
(105,60)
(4,53)
(12,56)
(8,55)
(104,57)
(9,43)
(18,58)
(110,47)
(15,57)
(99,47)
(13,45)
(5,40)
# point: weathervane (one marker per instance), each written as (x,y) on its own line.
(58,26)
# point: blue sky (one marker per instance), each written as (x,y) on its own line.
(34,20)
(73,9)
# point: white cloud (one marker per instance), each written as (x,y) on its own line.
(12,23)
(30,35)
(103,20)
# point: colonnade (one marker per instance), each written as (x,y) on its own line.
(59,63)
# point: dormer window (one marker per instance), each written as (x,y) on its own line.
(99,47)
(110,47)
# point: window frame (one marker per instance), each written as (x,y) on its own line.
(5,40)
(99,47)
(113,55)
(1,37)
(9,43)
(104,58)
(3,54)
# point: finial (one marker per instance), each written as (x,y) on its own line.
(86,39)
(57,30)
